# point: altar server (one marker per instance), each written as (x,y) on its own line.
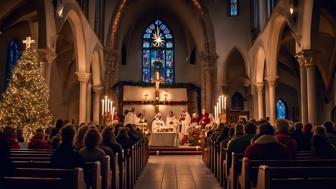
(185,120)
(172,121)
(157,123)
(131,117)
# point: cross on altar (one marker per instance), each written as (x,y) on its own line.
(28,42)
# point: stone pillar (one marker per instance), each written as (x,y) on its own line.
(209,79)
(46,57)
(111,73)
(88,102)
(303,88)
(310,64)
(83,79)
(96,102)
(271,80)
(260,93)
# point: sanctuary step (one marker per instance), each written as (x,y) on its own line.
(181,150)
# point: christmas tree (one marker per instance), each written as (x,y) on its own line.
(24,104)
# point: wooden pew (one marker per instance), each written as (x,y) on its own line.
(250,167)
(233,164)
(45,178)
(93,176)
(296,177)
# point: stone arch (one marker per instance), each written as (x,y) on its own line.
(96,68)
(278,23)
(236,58)
(79,38)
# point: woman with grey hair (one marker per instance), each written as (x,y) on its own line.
(321,145)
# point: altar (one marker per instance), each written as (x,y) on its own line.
(163,139)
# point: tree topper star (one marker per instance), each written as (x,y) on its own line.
(157,38)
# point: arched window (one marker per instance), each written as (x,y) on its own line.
(237,101)
(13,53)
(233,7)
(281,109)
(158,45)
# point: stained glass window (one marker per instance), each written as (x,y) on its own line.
(12,57)
(281,109)
(233,9)
(158,45)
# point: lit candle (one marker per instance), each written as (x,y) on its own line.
(219,102)
(219,109)
(106,104)
(111,106)
(112,114)
(157,76)
(223,102)
(215,114)
(103,104)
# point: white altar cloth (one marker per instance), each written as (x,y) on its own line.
(163,139)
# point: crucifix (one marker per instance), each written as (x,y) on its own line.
(157,90)
(28,41)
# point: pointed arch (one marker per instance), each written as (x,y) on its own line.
(281,109)
(158,45)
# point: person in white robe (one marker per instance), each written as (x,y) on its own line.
(157,123)
(131,117)
(172,122)
(185,120)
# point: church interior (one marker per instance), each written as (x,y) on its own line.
(142,94)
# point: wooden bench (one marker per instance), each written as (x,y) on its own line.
(296,177)
(249,170)
(45,178)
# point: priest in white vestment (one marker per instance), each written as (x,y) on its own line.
(185,120)
(157,123)
(172,122)
(131,117)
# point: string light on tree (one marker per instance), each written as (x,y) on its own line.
(25,102)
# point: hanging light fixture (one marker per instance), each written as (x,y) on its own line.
(59,8)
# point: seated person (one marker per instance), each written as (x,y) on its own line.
(266,146)
(321,145)
(9,136)
(66,156)
(38,141)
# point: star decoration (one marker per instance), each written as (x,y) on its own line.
(157,38)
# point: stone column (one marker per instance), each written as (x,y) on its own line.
(271,80)
(46,57)
(88,102)
(260,93)
(83,79)
(310,64)
(303,88)
(209,79)
(96,102)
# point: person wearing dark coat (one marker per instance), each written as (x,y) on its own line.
(9,137)
(266,146)
(330,128)
(38,142)
(124,140)
(321,145)
(298,135)
(66,156)
(307,136)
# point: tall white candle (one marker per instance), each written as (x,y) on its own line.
(215,114)
(112,114)
(219,102)
(219,109)
(103,104)
(223,102)
(106,104)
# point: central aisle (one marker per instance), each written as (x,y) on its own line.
(176,172)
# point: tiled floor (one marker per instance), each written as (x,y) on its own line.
(176,172)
